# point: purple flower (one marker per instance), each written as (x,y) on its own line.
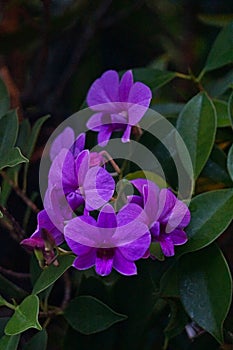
(120,104)
(166,216)
(50,226)
(81,182)
(113,241)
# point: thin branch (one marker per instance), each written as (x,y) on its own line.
(15,225)
(15,274)
(20,193)
(67,290)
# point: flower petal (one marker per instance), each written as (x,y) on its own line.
(107,217)
(86,261)
(64,140)
(82,166)
(167,246)
(95,122)
(179,217)
(139,97)
(82,230)
(135,250)
(178,237)
(78,144)
(104,91)
(122,265)
(104,135)
(98,187)
(126,84)
(103,264)
(155,229)
(126,136)
(167,201)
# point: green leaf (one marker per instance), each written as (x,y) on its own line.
(211,213)
(218,20)
(51,273)
(12,158)
(217,87)
(37,342)
(89,315)
(221,52)
(169,287)
(216,168)
(222,113)
(230,109)
(4,99)
(34,135)
(154,78)
(149,175)
(206,288)
(9,342)
(230,162)
(9,156)
(177,319)
(198,116)
(24,317)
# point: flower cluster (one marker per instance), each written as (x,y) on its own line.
(79,205)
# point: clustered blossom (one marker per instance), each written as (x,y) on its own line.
(79,205)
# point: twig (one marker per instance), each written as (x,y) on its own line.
(19,275)
(16,226)
(67,290)
(20,193)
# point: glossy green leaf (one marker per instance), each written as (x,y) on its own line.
(24,317)
(12,158)
(37,342)
(206,288)
(221,52)
(211,213)
(89,315)
(230,162)
(51,273)
(178,318)
(9,155)
(217,87)
(9,342)
(4,99)
(154,78)
(222,113)
(217,20)
(216,168)
(169,287)
(34,134)
(230,109)
(196,118)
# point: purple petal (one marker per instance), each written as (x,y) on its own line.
(151,196)
(135,199)
(104,135)
(178,237)
(64,140)
(74,199)
(85,261)
(69,178)
(96,159)
(126,136)
(139,97)
(155,229)
(131,212)
(82,166)
(122,265)
(125,86)
(33,243)
(82,230)
(167,246)
(78,144)
(55,171)
(95,122)
(104,262)
(179,217)
(167,201)
(107,217)
(98,187)
(140,183)
(135,250)
(104,91)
